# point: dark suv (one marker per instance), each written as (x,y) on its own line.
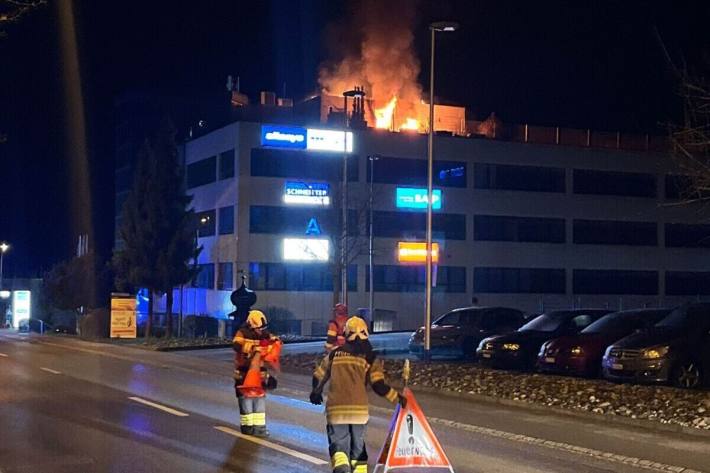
(676,350)
(457,333)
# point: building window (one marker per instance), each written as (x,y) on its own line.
(314,277)
(294,221)
(205,278)
(686,283)
(518,178)
(409,225)
(226,164)
(587,181)
(302,165)
(610,232)
(413,172)
(202,172)
(597,281)
(522,229)
(519,280)
(226,220)
(205,223)
(397,278)
(681,235)
(225,273)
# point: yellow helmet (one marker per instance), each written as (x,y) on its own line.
(256,319)
(355,327)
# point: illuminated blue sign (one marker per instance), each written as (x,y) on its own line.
(283,136)
(312,193)
(313,228)
(411,198)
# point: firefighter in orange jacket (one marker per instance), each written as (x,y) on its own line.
(250,342)
(336,327)
(349,369)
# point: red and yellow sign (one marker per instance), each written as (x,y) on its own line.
(411,443)
(415,252)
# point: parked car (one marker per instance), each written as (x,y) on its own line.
(582,354)
(458,333)
(676,350)
(519,349)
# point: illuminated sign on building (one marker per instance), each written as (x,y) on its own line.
(329,140)
(307,193)
(415,252)
(283,136)
(313,228)
(411,198)
(306,249)
(312,139)
(21,306)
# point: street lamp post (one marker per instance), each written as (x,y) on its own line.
(371,305)
(344,231)
(433,28)
(3,248)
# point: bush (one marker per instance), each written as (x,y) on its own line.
(95,324)
(200,326)
(282,321)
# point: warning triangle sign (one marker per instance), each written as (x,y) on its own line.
(411,445)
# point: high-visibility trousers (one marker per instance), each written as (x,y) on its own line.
(346,445)
(252,415)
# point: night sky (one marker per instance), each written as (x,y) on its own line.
(597,66)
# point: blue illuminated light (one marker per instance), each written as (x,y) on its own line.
(416,198)
(283,136)
(313,228)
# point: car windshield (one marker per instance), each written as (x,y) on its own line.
(676,319)
(452,318)
(544,323)
(611,323)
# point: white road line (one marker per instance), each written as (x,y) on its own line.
(167,409)
(50,370)
(273,446)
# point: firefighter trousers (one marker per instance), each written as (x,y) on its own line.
(252,412)
(346,445)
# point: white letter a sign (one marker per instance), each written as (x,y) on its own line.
(411,445)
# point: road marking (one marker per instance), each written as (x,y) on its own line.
(3,355)
(271,445)
(50,370)
(167,409)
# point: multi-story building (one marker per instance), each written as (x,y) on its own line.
(546,218)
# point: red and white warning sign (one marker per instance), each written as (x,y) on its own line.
(411,445)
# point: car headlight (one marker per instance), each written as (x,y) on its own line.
(577,351)
(482,345)
(655,352)
(543,348)
(511,346)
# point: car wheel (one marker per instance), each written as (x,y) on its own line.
(687,375)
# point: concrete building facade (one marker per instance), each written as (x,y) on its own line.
(525,225)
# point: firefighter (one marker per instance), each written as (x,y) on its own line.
(250,343)
(336,326)
(348,369)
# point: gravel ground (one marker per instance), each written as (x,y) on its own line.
(689,408)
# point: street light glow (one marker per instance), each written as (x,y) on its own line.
(4,247)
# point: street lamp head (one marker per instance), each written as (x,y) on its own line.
(444,26)
(373,157)
(4,247)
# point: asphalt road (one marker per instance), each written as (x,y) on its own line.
(71,406)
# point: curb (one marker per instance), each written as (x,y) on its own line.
(614,419)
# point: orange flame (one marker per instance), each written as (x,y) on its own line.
(410,124)
(383,116)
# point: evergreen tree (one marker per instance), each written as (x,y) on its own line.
(157,228)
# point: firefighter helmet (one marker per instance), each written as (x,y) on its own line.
(256,319)
(356,327)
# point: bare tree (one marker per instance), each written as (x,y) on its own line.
(12,11)
(691,139)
